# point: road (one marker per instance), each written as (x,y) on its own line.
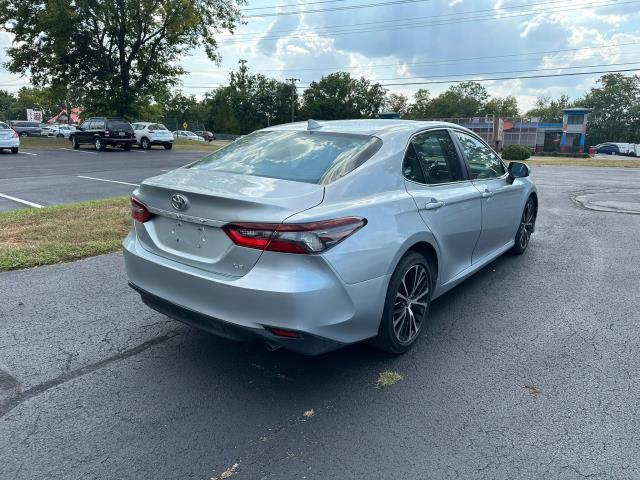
(527,370)
(47,177)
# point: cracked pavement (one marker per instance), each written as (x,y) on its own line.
(527,370)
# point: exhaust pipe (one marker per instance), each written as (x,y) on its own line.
(271,347)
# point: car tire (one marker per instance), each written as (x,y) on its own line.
(60,135)
(168,146)
(74,142)
(126,147)
(99,144)
(406,306)
(145,143)
(526,227)
(24,134)
(14,149)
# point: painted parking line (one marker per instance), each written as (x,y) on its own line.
(109,181)
(78,151)
(28,153)
(19,200)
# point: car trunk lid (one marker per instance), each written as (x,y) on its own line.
(191,206)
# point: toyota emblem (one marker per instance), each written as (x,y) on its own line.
(179,202)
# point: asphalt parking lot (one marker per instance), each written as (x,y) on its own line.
(527,370)
(51,176)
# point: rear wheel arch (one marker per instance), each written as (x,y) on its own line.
(429,252)
(425,247)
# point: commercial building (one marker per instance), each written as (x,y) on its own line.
(566,137)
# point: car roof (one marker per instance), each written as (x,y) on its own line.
(370,127)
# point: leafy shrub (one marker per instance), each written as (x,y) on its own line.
(516,152)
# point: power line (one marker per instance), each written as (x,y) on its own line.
(491,17)
(334,9)
(479,80)
(290,5)
(414,19)
(451,80)
(457,61)
(508,71)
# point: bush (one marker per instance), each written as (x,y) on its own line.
(516,152)
(564,155)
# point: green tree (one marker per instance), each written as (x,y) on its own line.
(502,106)
(616,109)
(421,105)
(249,102)
(466,99)
(120,53)
(339,96)
(397,103)
(549,110)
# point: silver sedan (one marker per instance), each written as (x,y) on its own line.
(312,236)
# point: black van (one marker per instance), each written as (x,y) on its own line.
(103,131)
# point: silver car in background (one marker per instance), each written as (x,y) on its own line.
(312,236)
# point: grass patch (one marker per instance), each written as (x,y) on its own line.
(61,233)
(583,162)
(388,378)
(35,143)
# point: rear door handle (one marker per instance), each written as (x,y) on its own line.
(433,205)
(487,194)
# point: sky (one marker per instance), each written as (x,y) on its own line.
(417,41)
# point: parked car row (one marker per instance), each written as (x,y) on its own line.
(103,132)
(610,148)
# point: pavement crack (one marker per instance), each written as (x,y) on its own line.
(11,403)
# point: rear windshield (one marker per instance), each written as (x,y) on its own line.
(4,126)
(310,157)
(157,126)
(119,125)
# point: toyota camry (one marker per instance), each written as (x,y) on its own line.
(312,236)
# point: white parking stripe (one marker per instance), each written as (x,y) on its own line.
(29,153)
(79,151)
(110,181)
(19,200)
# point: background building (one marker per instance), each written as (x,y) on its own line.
(568,136)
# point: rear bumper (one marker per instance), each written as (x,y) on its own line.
(161,141)
(118,141)
(9,142)
(307,345)
(289,292)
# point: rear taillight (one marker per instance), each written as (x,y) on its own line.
(107,133)
(139,211)
(15,134)
(303,238)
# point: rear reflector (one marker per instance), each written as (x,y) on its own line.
(285,333)
(139,211)
(301,238)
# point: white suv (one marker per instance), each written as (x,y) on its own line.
(148,134)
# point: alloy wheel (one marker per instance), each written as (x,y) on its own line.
(411,304)
(526,224)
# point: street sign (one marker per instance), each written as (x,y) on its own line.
(185,125)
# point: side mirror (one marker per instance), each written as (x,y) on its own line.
(519,170)
(80,129)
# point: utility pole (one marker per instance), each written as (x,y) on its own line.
(293,97)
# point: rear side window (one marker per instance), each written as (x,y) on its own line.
(432,158)
(119,125)
(310,157)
